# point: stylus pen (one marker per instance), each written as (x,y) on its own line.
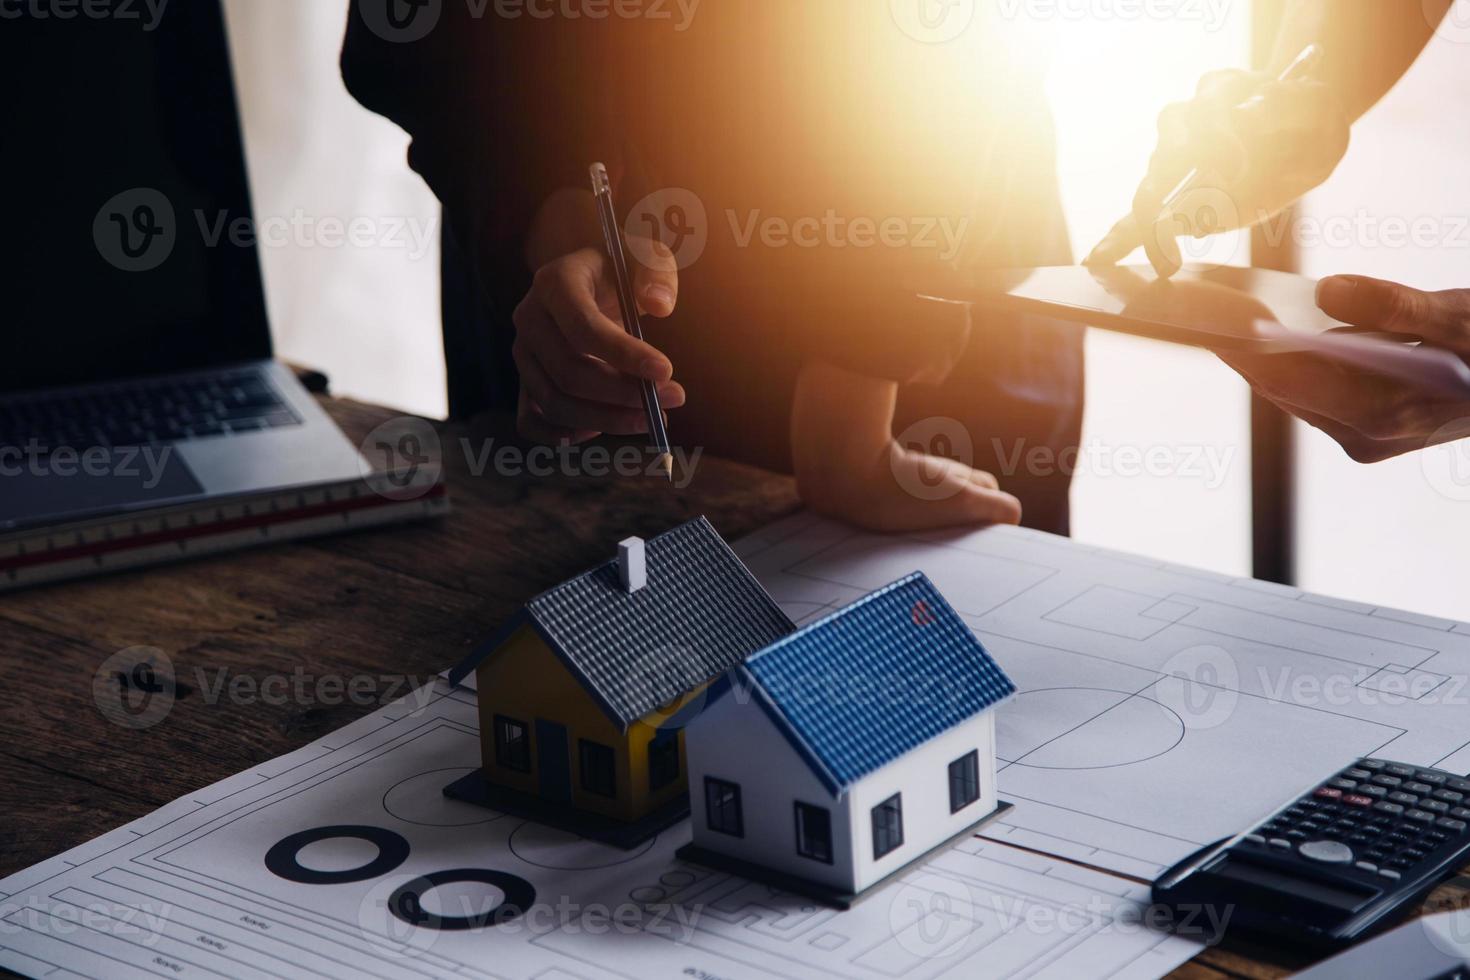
(627,302)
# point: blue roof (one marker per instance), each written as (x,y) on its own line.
(871,682)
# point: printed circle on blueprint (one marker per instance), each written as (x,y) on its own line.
(557,850)
(420,800)
(1085,728)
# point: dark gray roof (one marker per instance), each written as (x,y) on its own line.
(701,613)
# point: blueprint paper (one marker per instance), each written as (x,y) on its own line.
(211,885)
(1161,708)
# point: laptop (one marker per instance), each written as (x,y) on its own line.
(138,371)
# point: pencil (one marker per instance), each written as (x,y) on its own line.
(628,304)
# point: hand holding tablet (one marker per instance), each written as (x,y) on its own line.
(1378,366)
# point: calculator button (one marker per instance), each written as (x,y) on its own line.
(1435,839)
(1388,807)
(1390,874)
(1383,780)
(1408,799)
(1448,795)
(1450,824)
(1420,815)
(1366,866)
(1426,776)
(1438,806)
(1417,787)
(1354,799)
(1371,764)
(1463,785)
(1326,851)
(1278,842)
(1357,774)
(1296,835)
(1343,783)
(1460,812)
(1326,793)
(1368,790)
(1400,770)
(1413,854)
(1254,838)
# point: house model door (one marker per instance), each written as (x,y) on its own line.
(553,767)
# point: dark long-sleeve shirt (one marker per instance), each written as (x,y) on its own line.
(820,157)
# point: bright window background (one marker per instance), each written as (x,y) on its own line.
(366,313)
(1395,533)
(1109,78)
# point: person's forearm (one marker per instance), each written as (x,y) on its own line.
(1368,44)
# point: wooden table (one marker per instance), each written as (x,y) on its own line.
(388,605)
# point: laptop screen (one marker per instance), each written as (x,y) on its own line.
(124,246)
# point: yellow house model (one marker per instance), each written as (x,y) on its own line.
(584,693)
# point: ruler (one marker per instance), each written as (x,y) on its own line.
(109,544)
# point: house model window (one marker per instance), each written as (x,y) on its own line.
(888,826)
(663,760)
(814,832)
(964,781)
(599,770)
(722,804)
(512,744)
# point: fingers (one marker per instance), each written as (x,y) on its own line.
(581,373)
(1442,319)
(1117,245)
(568,289)
(580,376)
(655,276)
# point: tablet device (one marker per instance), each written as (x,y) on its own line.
(1222,308)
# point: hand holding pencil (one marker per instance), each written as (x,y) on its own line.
(582,373)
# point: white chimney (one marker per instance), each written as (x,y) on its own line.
(632,565)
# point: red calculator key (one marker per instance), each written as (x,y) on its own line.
(1353,799)
(1328,793)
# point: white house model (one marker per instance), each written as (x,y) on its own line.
(850,749)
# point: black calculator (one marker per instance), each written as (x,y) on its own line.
(1345,859)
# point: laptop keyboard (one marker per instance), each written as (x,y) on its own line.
(144,413)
